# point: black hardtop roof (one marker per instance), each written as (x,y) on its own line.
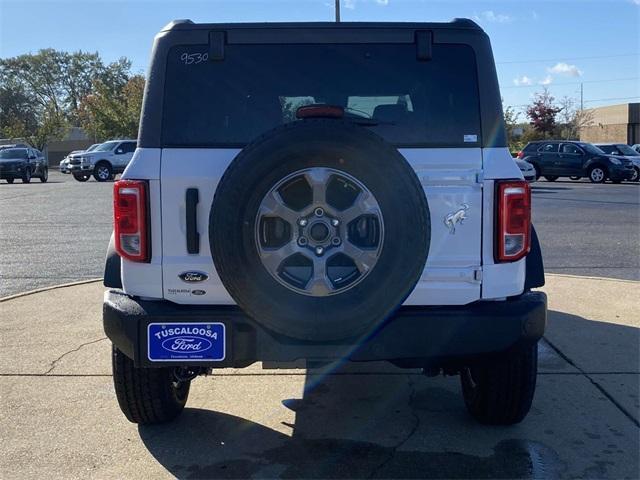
(456,23)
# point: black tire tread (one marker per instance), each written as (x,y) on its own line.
(505,388)
(143,394)
(422,225)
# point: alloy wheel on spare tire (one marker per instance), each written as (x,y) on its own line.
(319,230)
(597,174)
(81,177)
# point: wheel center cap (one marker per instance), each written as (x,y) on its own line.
(319,231)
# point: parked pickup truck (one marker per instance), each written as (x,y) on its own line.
(103,162)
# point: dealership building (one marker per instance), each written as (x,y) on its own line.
(613,123)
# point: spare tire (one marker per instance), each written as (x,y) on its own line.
(319,230)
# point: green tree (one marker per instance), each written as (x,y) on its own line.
(111,112)
(41,94)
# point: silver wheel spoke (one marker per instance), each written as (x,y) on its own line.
(364,204)
(273,258)
(319,285)
(274,206)
(318,233)
(318,179)
(364,259)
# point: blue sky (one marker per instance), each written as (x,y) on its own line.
(557,43)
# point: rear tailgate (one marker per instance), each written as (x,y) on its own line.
(448,175)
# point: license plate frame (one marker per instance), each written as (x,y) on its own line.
(186,342)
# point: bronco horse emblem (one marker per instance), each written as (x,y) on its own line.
(459,216)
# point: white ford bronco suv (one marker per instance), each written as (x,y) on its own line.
(324,192)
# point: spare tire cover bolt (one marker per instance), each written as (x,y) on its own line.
(302,241)
(318,212)
(319,250)
(302,222)
(335,222)
(335,240)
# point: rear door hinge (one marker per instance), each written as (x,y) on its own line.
(480,177)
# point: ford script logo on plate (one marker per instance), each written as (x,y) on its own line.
(192,277)
(175,342)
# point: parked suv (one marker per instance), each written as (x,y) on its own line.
(623,150)
(103,162)
(23,163)
(325,192)
(555,158)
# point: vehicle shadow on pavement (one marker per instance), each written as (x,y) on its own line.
(207,444)
(353,423)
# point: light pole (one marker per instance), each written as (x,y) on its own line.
(337,11)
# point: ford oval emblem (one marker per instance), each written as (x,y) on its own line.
(192,344)
(193,277)
(198,292)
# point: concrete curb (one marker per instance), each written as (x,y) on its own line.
(45,289)
(608,279)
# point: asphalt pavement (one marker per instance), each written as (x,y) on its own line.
(58,232)
(589,229)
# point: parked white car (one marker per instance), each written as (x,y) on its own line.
(528,171)
(103,162)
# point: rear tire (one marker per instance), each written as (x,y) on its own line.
(550,178)
(147,395)
(501,392)
(597,174)
(45,175)
(81,178)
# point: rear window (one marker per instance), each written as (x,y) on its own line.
(258,87)
(610,149)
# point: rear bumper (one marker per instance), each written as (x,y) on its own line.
(414,336)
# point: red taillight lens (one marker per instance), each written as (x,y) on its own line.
(130,219)
(513,222)
(520,154)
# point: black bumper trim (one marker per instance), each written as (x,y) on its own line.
(414,335)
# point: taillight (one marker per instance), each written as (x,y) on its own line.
(130,219)
(520,154)
(513,220)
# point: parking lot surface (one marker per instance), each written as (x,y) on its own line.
(59,231)
(59,416)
